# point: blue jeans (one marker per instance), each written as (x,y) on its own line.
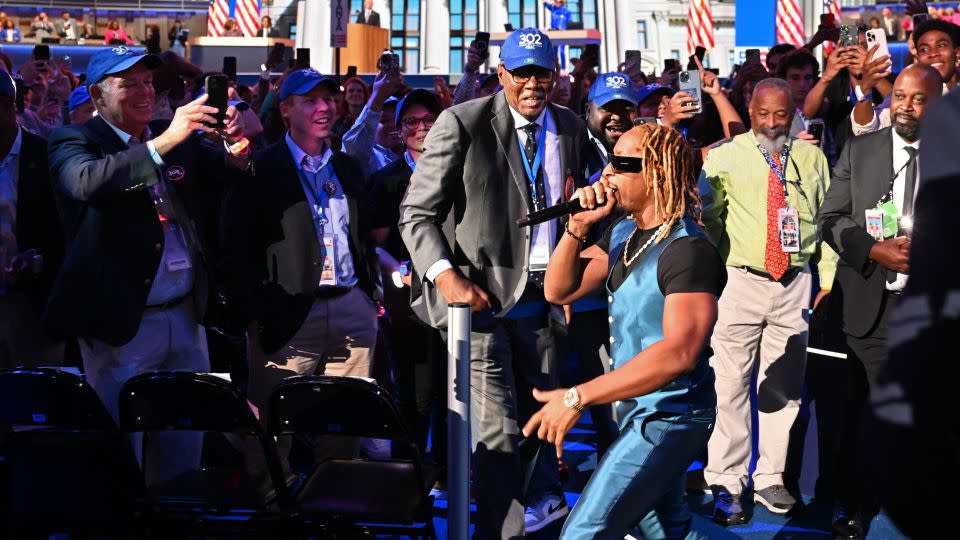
(639,485)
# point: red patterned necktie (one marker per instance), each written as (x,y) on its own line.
(776,261)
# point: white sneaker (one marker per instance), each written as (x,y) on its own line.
(544,511)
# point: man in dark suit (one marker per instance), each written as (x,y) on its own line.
(487,162)
(298,257)
(368,15)
(873,185)
(140,202)
(31,240)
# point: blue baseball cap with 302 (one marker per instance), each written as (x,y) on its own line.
(303,81)
(611,87)
(78,97)
(651,89)
(528,47)
(115,60)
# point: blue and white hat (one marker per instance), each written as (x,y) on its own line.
(651,89)
(303,81)
(611,87)
(528,47)
(115,60)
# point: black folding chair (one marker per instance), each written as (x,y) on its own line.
(213,498)
(64,465)
(389,496)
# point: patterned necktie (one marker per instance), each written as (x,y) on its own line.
(911,182)
(530,149)
(776,261)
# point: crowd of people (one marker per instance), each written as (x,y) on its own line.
(327,224)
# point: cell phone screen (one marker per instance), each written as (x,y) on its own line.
(482,43)
(216,86)
(41,53)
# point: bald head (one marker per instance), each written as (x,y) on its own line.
(917,86)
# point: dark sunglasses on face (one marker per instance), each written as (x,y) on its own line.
(626,164)
(522,75)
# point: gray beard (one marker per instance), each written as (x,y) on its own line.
(771,145)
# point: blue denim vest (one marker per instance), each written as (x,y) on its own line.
(636,322)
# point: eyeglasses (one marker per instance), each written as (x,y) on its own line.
(412,123)
(542,77)
(626,164)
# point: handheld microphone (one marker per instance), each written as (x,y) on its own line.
(540,216)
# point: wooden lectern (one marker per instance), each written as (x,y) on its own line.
(364,45)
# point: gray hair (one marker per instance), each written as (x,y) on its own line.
(772,83)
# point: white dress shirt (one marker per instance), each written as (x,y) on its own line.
(335,208)
(900,158)
(544,234)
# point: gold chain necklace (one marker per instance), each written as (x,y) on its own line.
(626,247)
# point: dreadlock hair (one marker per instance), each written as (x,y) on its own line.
(668,172)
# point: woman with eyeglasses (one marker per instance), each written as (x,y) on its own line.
(662,278)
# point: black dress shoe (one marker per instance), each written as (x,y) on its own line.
(727,508)
(847,526)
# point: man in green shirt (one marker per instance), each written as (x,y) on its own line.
(762,192)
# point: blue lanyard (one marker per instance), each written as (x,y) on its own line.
(410,162)
(532,170)
(315,191)
(779,171)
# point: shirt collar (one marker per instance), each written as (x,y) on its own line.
(599,144)
(299,154)
(519,121)
(124,136)
(899,143)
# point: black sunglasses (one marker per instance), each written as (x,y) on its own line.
(626,163)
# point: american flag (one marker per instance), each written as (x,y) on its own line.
(217,15)
(789,22)
(833,7)
(699,26)
(248,16)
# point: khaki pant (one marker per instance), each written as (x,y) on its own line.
(758,320)
(167,340)
(337,338)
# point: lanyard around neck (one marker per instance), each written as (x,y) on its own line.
(779,171)
(532,169)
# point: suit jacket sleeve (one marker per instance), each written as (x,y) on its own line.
(825,255)
(430,195)
(837,227)
(78,169)
(713,199)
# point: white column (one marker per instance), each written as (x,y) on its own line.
(497,16)
(625,31)
(313,32)
(435,37)
(383,8)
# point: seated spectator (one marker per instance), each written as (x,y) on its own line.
(115,33)
(10,32)
(232,29)
(41,27)
(88,32)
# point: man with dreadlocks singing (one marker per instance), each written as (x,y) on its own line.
(662,278)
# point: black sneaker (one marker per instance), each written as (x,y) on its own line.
(847,525)
(727,509)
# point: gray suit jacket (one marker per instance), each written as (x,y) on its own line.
(62,31)
(861,177)
(468,188)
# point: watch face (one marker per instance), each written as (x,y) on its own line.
(571,398)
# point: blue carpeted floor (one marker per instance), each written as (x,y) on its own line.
(810,523)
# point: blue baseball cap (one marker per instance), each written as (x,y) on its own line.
(419,97)
(115,60)
(304,80)
(528,47)
(78,97)
(652,89)
(611,87)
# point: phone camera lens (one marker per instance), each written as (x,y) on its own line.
(684,77)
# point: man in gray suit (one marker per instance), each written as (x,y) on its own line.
(67,27)
(487,162)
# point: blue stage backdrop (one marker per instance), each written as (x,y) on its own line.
(756,23)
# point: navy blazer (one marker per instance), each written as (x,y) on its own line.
(117,239)
(272,258)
